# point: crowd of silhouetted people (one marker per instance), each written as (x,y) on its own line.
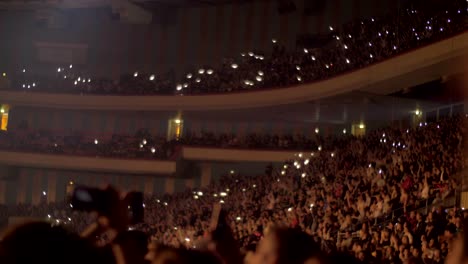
(387,197)
(351,46)
(144,145)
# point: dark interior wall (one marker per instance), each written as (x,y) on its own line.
(195,36)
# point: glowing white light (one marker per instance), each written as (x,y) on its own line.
(386,32)
(69,219)
(96,141)
(141,145)
(44,193)
(57,220)
(370,56)
(79,79)
(448,20)
(347,60)
(153,150)
(311,205)
(319,148)
(306,51)
(273,40)
(289,209)
(258,78)
(370,44)
(243,54)
(65,77)
(372,19)
(59,70)
(344,131)
(89,79)
(441,29)
(238,218)
(260,73)
(234,66)
(71,205)
(332,154)
(243,190)
(201,71)
(254,186)
(29,86)
(209,71)
(222,194)
(313,58)
(438,126)
(312,154)
(345,47)
(299,78)
(195,197)
(303,175)
(283,172)
(84,80)
(326,66)
(2,110)
(417,112)
(24,70)
(222,201)
(189,76)
(198,80)
(298,67)
(349,35)
(246,82)
(179,87)
(331,28)
(250,54)
(215,195)
(135,74)
(187,239)
(151,78)
(34,85)
(165,204)
(370,165)
(394,47)
(306,161)
(337,38)
(71,66)
(316,130)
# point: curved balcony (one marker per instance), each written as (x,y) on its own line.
(411,68)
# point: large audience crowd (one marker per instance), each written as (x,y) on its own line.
(351,46)
(387,197)
(143,145)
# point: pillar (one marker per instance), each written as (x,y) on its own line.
(169,186)
(189,184)
(37,188)
(149,186)
(205,174)
(21,188)
(52,187)
(3,192)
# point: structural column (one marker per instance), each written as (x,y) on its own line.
(205,174)
(52,187)
(169,186)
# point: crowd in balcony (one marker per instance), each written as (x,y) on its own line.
(351,46)
(144,145)
(387,197)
